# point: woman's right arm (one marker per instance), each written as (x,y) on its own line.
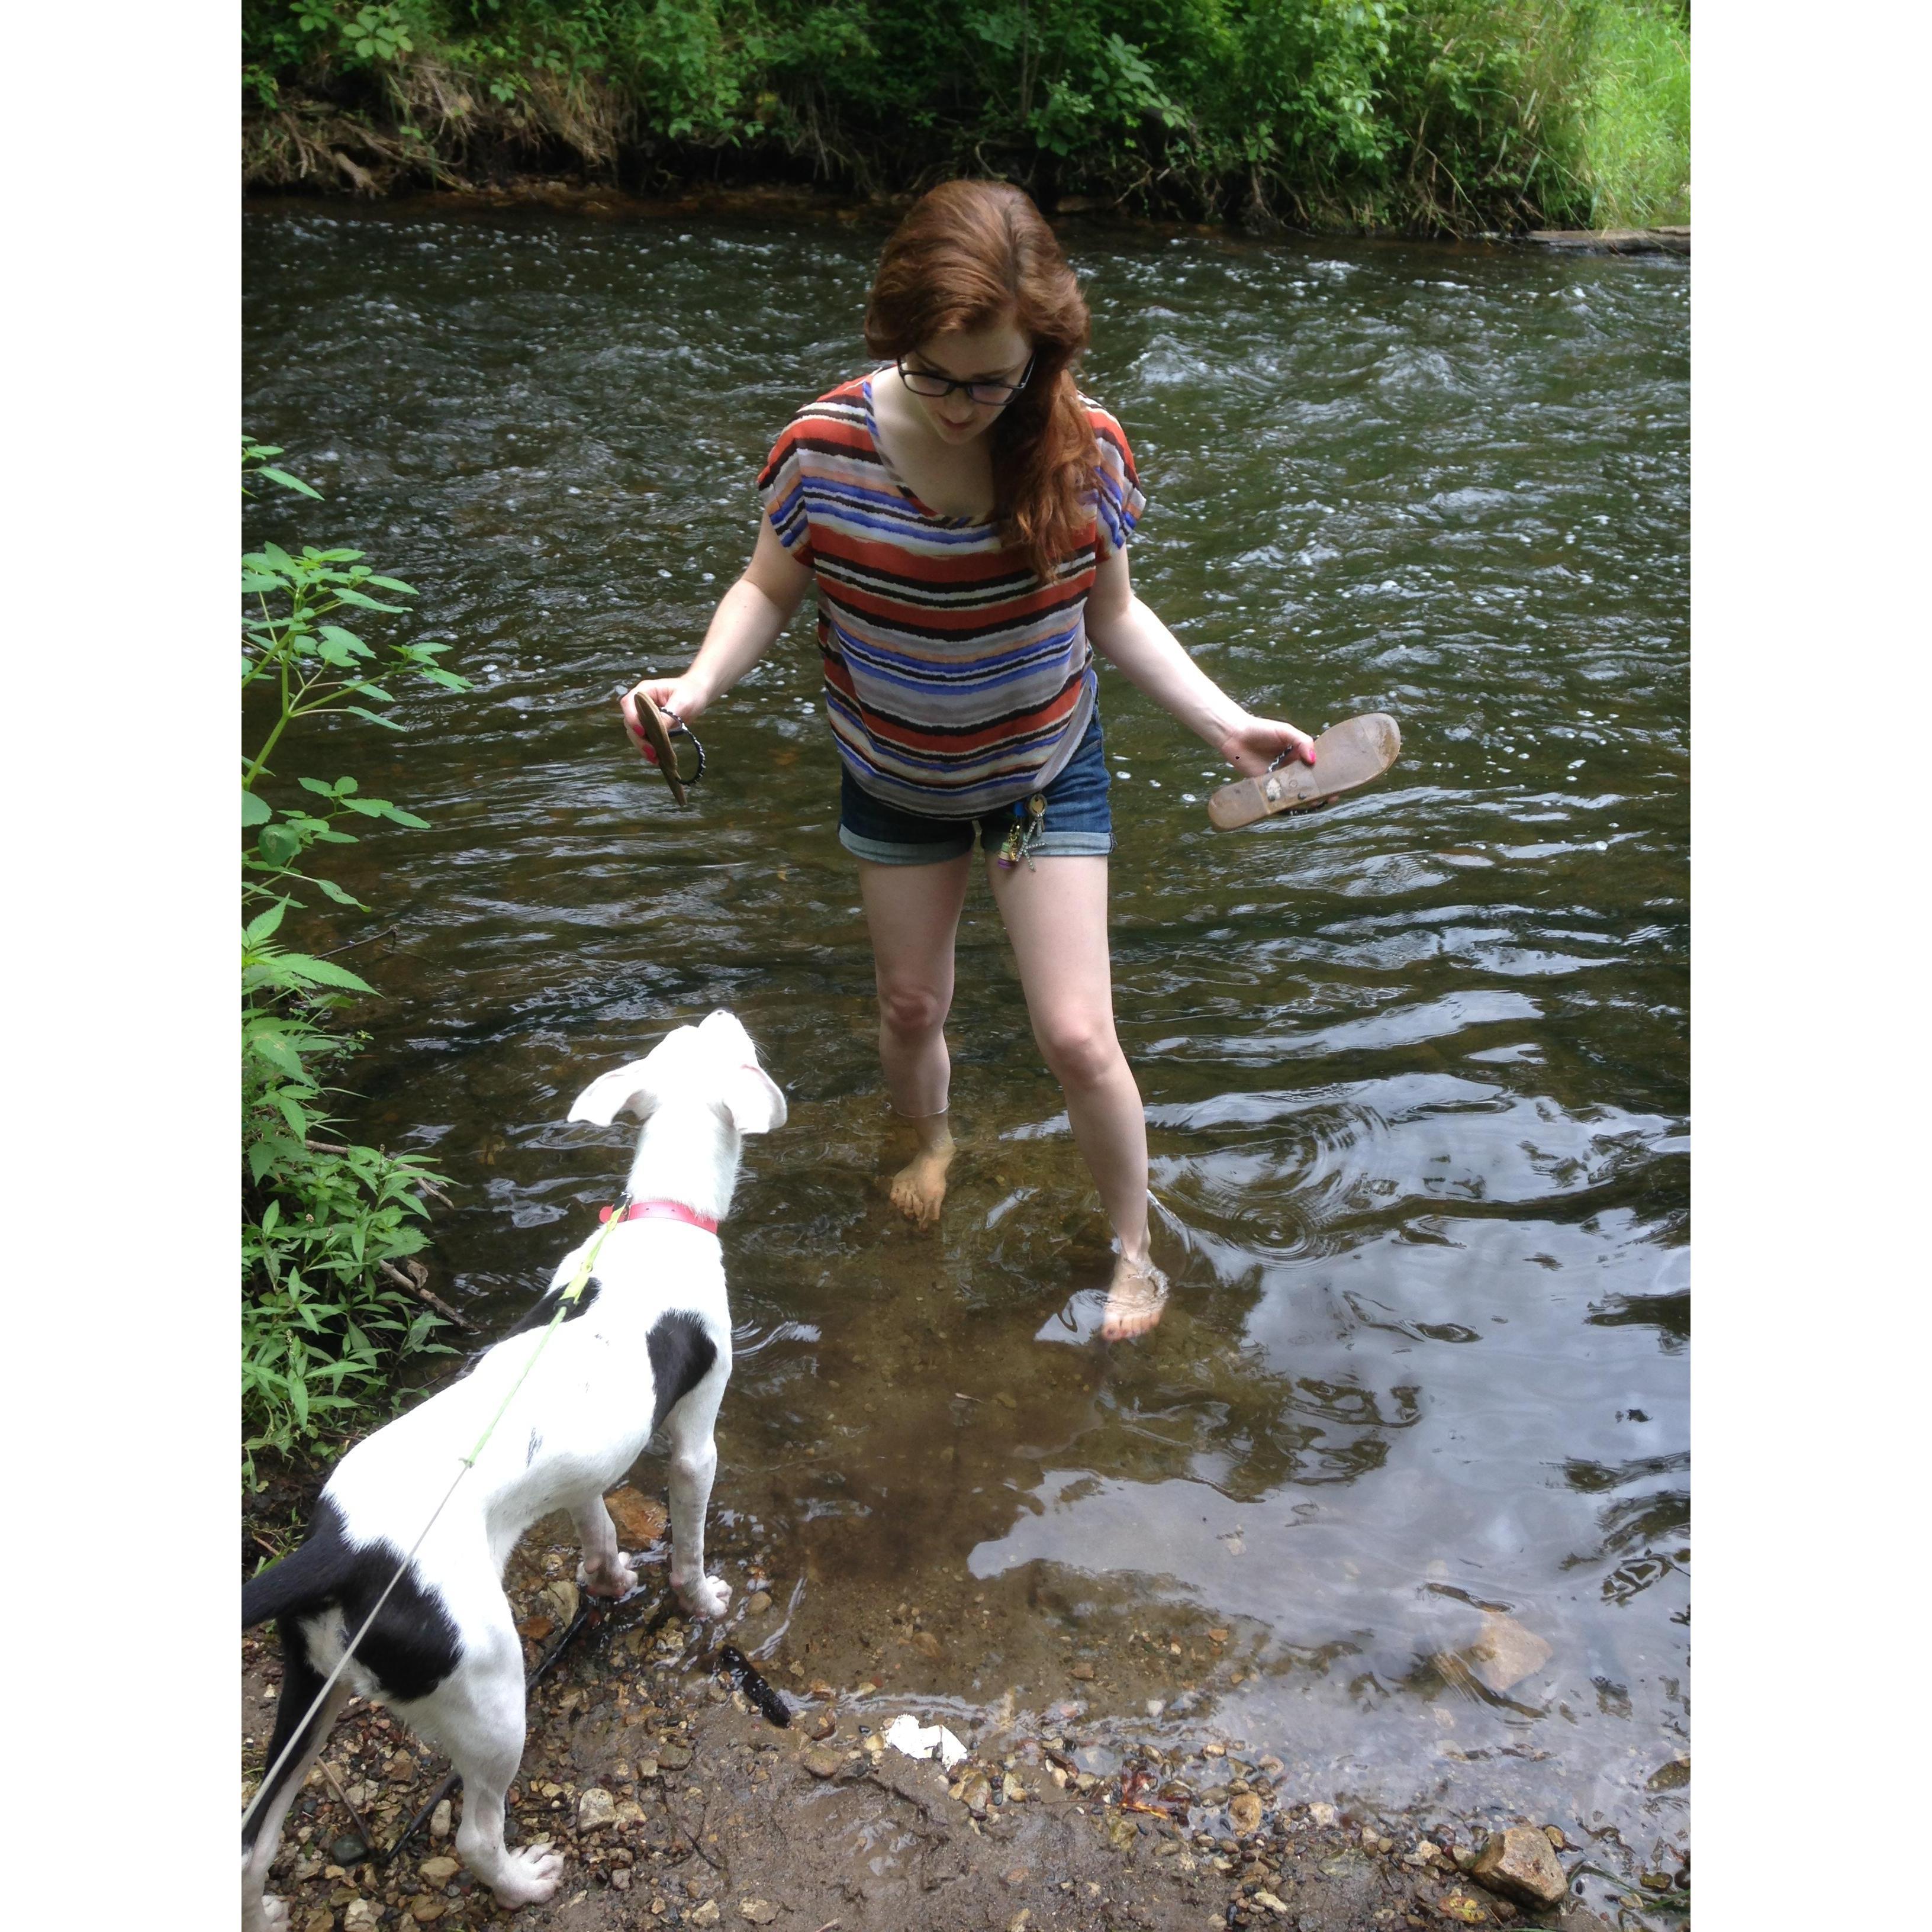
(745,624)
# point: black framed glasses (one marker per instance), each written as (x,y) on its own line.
(993,395)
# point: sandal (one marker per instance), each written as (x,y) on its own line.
(1347,756)
(652,734)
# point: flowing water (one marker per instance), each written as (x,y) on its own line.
(1415,1067)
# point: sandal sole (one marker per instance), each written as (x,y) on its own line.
(1347,756)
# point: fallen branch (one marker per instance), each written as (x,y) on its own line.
(426,1297)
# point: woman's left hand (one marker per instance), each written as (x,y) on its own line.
(1256,743)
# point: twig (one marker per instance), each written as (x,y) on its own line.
(356,1818)
(349,945)
(426,1297)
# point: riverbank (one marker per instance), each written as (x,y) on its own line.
(676,1803)
(1433,117)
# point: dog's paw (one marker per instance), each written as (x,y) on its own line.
(626,1581)
(271,1915)
(704,1596)
(528,1877)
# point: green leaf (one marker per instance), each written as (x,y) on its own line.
(373,717)
(255,810)
(259,928)
(288,482)
(341,898)
(322,973)
(355,597)
(278,844)
(280,1055)
(393,583)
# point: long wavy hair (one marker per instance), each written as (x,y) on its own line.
(971,253)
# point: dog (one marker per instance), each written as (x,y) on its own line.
(645,1345)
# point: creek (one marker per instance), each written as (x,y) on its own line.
(1415,1067)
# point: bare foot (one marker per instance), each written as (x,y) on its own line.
(1136,1300)
(919,1188)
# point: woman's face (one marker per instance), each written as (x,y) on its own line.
(998,352)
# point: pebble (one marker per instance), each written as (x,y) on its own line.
(673,1757)
(1321,1813)
(820,1762)
(1268,1902)
(439,1819)
(348,1849)
(1244,1814)
(363,1916)
(425,1908)
(1011,1789)
(757,1603)
(596,1807)
(759,1911)
(1083,1672)
(400,1768)
(439,1871)
(707,1914)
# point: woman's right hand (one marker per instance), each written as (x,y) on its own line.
(679,695)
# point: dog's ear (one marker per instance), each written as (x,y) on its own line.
(609,1094)
(752,1098)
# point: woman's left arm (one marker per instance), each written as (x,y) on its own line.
(1130,636)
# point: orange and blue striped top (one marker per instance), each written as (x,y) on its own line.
(956,680)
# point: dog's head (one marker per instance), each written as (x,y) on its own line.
(714,1064)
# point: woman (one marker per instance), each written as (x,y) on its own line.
(965,514)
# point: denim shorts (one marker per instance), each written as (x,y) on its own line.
(1077,823)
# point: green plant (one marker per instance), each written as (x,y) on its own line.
(327,1227)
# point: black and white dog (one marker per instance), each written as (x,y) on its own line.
(647,1344)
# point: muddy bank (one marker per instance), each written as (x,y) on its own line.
(678,1804)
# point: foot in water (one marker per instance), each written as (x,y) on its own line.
(1136,1300)
(918,1190)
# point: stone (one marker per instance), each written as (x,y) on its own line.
(1505,1653)
(1463,1909)
(825,1725)
(1083,1672)
(425,1908)
(348,1849)
(320,1920)
(1012,1789)
(1672,1777)
(363,1916)
(927,1645)
(439,1871)
(1015,1876)
(640,1520)
(400,1768)
(821,1762)
(560,1598)
(1244,1814)
(1322,1813)
(757,1603)
(673,1757)
(1268,1902)
(629,1812)
(707,1914)
(596,1807)
(439,1819)
(976,1794)
(1520,1864)
(758,1911)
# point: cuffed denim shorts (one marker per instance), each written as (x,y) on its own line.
(1078,824)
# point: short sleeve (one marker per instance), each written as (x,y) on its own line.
(782,491)
(1118,503)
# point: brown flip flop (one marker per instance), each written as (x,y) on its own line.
(1347,756)
(651,735)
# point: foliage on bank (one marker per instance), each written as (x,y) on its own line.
(331,1295)
(1440,115)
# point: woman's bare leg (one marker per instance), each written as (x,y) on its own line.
(1056,917)
(912,913)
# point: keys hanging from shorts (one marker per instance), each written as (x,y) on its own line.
(1029,822)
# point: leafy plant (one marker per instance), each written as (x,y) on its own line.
(327,1227)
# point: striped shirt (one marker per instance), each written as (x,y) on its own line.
(957,681)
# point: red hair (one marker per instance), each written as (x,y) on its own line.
(972,253)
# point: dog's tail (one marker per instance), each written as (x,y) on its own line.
(308,1579)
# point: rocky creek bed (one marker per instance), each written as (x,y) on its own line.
(677,1804)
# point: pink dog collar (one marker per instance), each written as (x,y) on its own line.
(662,1210)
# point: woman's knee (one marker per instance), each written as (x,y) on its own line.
(1082,1049)
(911,1011)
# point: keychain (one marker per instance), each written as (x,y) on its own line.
(1019,842)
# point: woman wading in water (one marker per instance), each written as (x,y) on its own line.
(965,514)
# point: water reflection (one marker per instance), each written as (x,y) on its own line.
(1415,1067)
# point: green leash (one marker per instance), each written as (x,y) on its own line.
(567,1300)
